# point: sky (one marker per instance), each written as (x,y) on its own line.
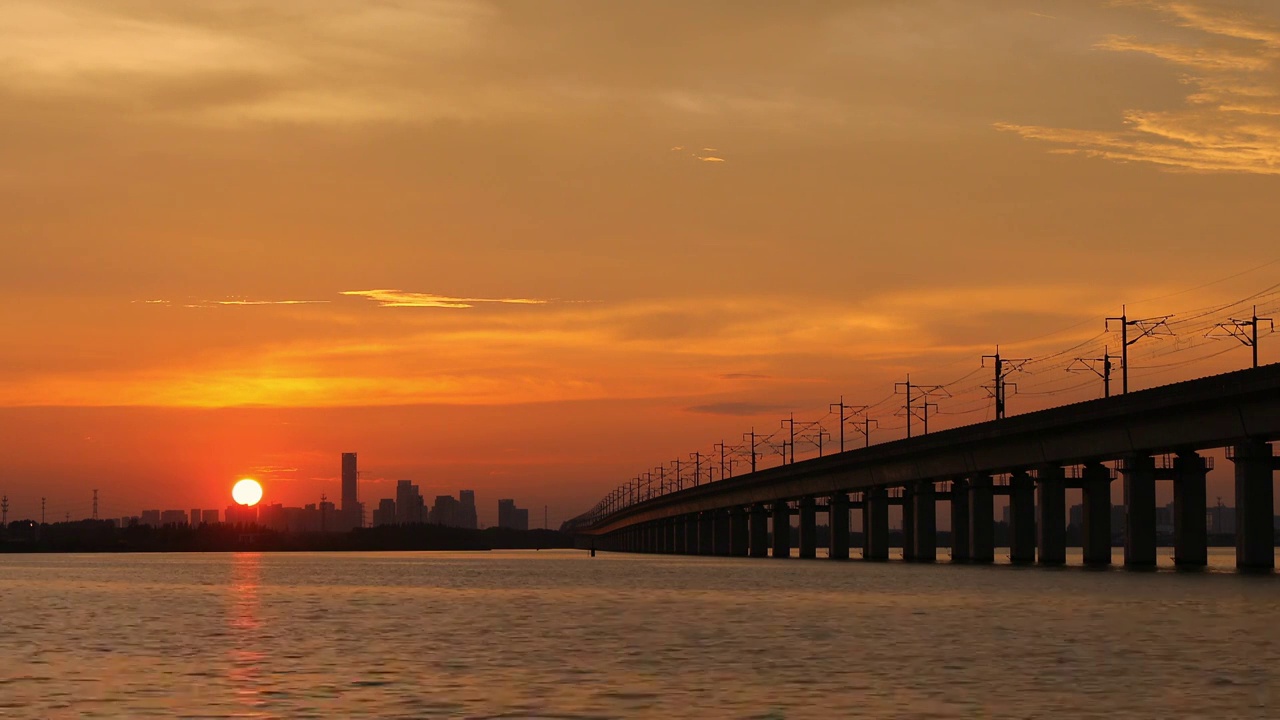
(536,248)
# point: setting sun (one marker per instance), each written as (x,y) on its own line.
(247,492)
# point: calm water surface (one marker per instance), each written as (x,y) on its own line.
(560,635)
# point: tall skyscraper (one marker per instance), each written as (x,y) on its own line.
(350,479)
(467,513)
(409,509)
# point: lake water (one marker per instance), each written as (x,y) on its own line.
(561,635)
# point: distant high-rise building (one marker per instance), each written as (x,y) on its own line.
(209,517)
(174,517)
(467,512)
(409,508)
(328,515)
(350,483)
(446,511)
(150,517)
(195,517)
(512,517)
(386,513)
(241,514)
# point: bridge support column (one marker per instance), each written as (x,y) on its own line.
(960,521)
(1139,511)
(1190,531)
(1022,518)
(706,529)
(1051,510)
(808,528)
(759,531)
(982,530)
(739,534)
(875,524)
(1095,481)
(926,536)
(909,523)
(781,529)
(1255,496)
(722,533)
(675,535)
(690,534)
(838,522)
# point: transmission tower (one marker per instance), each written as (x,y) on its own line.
(4,513)
(1003,367)
(865,429)
(1147,327)
(42,511)
(1092,365)
(819,434)
(790,423)
(752,437)
(696,457)
(852,410)
(95,504)
(1246,331)
(923,392)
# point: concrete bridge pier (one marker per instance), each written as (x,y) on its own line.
(720,538)
(675,535)
(781,529)
(759,531)
(739,534)
(663,528)
(1051,520)
(909,523)
(690,533)
(1022,518)
(982,526)
(706,530)
(838,522)
(926,520)
(808,528)
(1255,498)
(960,520)
(1190,527)
(875,524)
(1139,511)
(1095,482)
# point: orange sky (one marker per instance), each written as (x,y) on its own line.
(534,248)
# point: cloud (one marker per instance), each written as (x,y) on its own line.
(231,302)
(1230,119)
(736,408)
(711,159)
(401,298)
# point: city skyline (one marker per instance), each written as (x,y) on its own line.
(540,283)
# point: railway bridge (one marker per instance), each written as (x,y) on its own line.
(1147,437)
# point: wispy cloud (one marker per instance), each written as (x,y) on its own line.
(703,155)
(1230,121)
(401,298)
(736,408)
(229,302)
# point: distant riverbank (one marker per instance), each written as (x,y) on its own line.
(103,536)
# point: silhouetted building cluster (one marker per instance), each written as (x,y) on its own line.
(408,508)
(512,517)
